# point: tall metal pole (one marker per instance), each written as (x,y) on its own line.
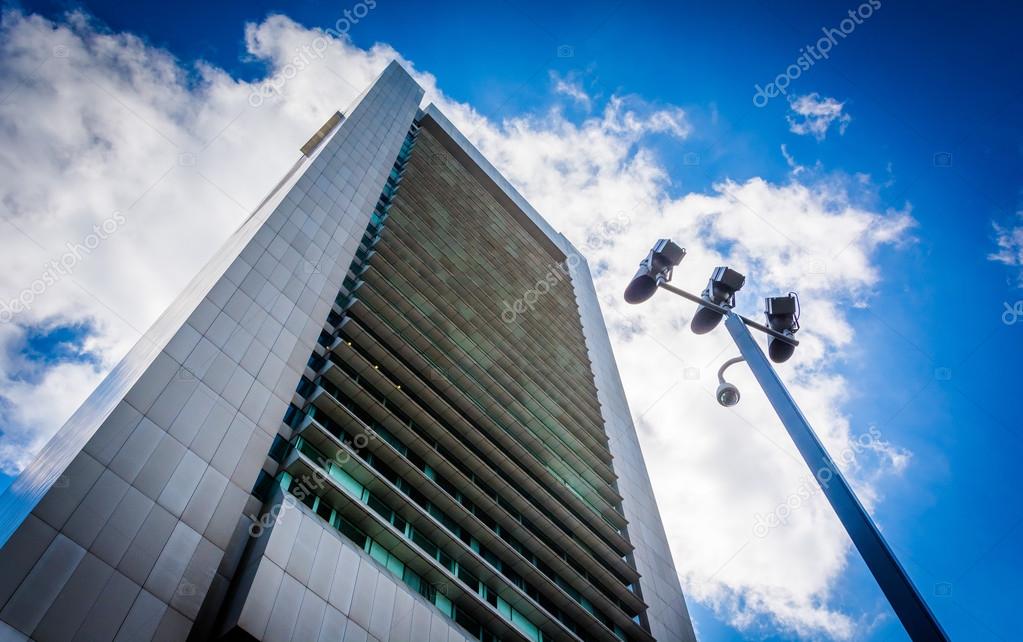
(906,601)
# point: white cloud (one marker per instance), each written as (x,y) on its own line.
(790,160)
(103,130)
(1010,245)
(816,115)
(571,88)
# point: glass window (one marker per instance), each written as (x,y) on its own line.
(324,510)
(424,543)
(468,623)
(525,626)
(444,604)
(399,523)
(346,480)
(379,506)
(309,500)
(264,483)
(468,578)
(353,533)
(446,561)
(395,565)
(504,608)
(379,553)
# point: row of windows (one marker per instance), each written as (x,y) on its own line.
(434,234)
(540,438)
(453,526)
(405,419)
(419,273)
(452,491)
(394,565)
(345,301)
(410,533)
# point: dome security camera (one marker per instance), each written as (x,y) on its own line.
(727,394)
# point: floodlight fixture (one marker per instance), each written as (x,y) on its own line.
(656,267)
(782,314)
(720,291)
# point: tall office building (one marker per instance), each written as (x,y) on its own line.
(386,410)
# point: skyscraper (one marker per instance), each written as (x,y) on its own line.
(386,410)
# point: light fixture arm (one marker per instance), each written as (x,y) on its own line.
(725,365)
(663,283)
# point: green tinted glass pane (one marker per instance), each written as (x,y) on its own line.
(395,565)
(379,553)
(346,480)
(525,625)
(444,604)
(503,608)
(411,578)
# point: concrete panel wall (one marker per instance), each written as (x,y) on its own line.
(138,497)
(308,582)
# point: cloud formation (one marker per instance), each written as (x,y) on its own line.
(815,115)
(1009,240)
(182,153)
(570,88)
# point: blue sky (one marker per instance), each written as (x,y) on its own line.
(932,94)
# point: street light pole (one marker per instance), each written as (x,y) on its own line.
(906,601)
(782,314)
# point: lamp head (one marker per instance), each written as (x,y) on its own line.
(664,256)
(782,314)
(720,290)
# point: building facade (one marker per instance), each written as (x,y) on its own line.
(386,410)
